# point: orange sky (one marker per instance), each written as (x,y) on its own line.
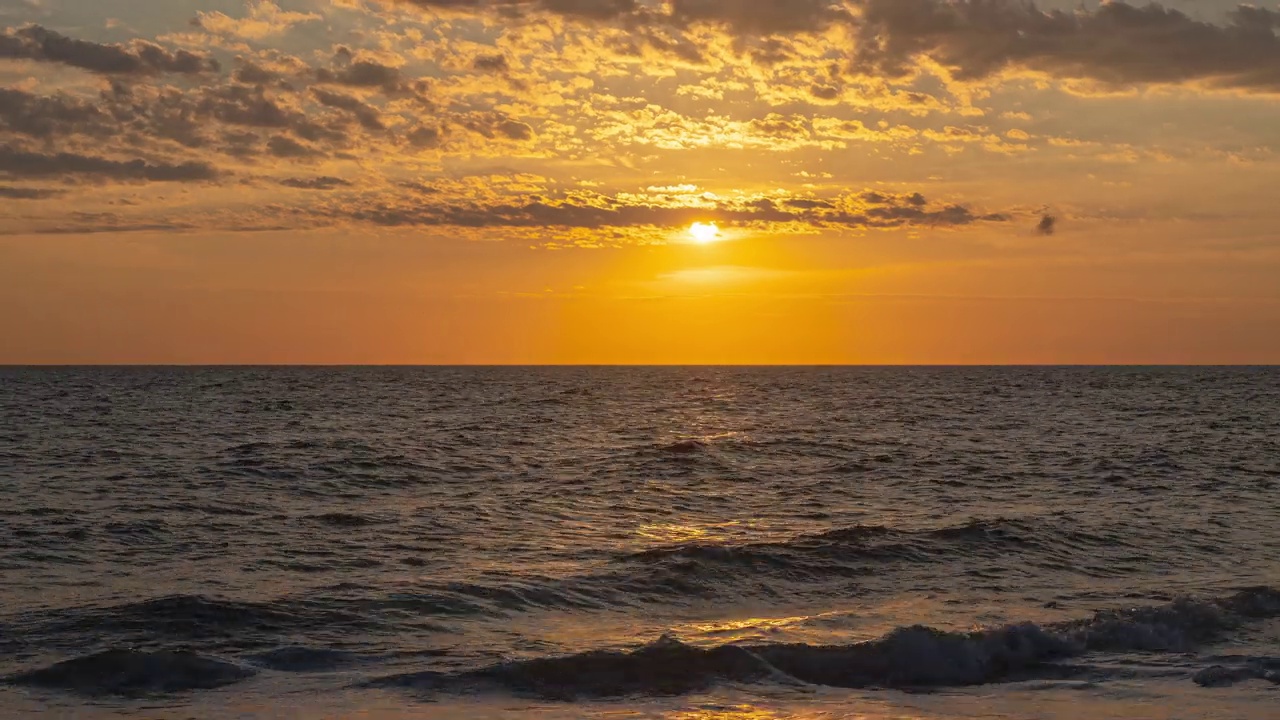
(514,181)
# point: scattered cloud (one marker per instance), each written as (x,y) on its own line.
(323,182)
(588,210)
(604,94)
(139,57)
(1116,43)
(264,19)
(27,193)
(1048,225)
(16,163)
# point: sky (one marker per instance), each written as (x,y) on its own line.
(639,181)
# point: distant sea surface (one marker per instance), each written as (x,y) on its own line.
(691,543)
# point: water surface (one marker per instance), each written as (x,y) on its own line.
(674,542)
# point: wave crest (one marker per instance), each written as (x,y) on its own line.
(858,548)
(136,673)
(908,657)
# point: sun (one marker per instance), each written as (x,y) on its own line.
(704,233)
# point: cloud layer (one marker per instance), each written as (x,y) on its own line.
(1116,43)
(139,57)
(522,114)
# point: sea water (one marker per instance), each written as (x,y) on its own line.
(690,543)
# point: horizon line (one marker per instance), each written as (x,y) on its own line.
(634,365)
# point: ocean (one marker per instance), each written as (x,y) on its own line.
(685,543)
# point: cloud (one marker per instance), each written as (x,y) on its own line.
(20,163)
(264,19)
(254,107)
(81,223)
(286,147)
(316,183)
(290,118)
(425,137)
(586,9)
(139,57)
(1116,43)
(254,74)
(760,17)
(754,17)
(243,105)
(603,212)
(496,64)
(364,73)
(1047,225)
(366,114)
(493,125)
(397,102)
(24,193)
(46,117)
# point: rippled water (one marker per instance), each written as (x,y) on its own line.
(677,542)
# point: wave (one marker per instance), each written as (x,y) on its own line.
(805,567)
(861,549)
(344,520)
(813,565)
(684,447)
(187,619)
(908,657)
(302,659)
(1222,676)
(136,673)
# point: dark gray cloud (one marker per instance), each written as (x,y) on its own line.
(1116,43)
(15,162)
(139,57)
(760,17)
(426,137)
(283,146)
(363,73)
(25,193)
(496,63)
(350,72)
(599,9)
(254,107)
(418,187)
(366,114)
(1048,225)
(323,182)
(587,9)
(251,73)
(220,117)
(83,223)
(244,105)
(746,17)
(46,117)
(493,125)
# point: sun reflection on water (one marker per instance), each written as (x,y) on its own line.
(740,712)
(681,534)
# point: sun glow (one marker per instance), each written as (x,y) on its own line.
(704,233)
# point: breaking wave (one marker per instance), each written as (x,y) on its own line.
(908,657)
(807,565)
(135,673)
